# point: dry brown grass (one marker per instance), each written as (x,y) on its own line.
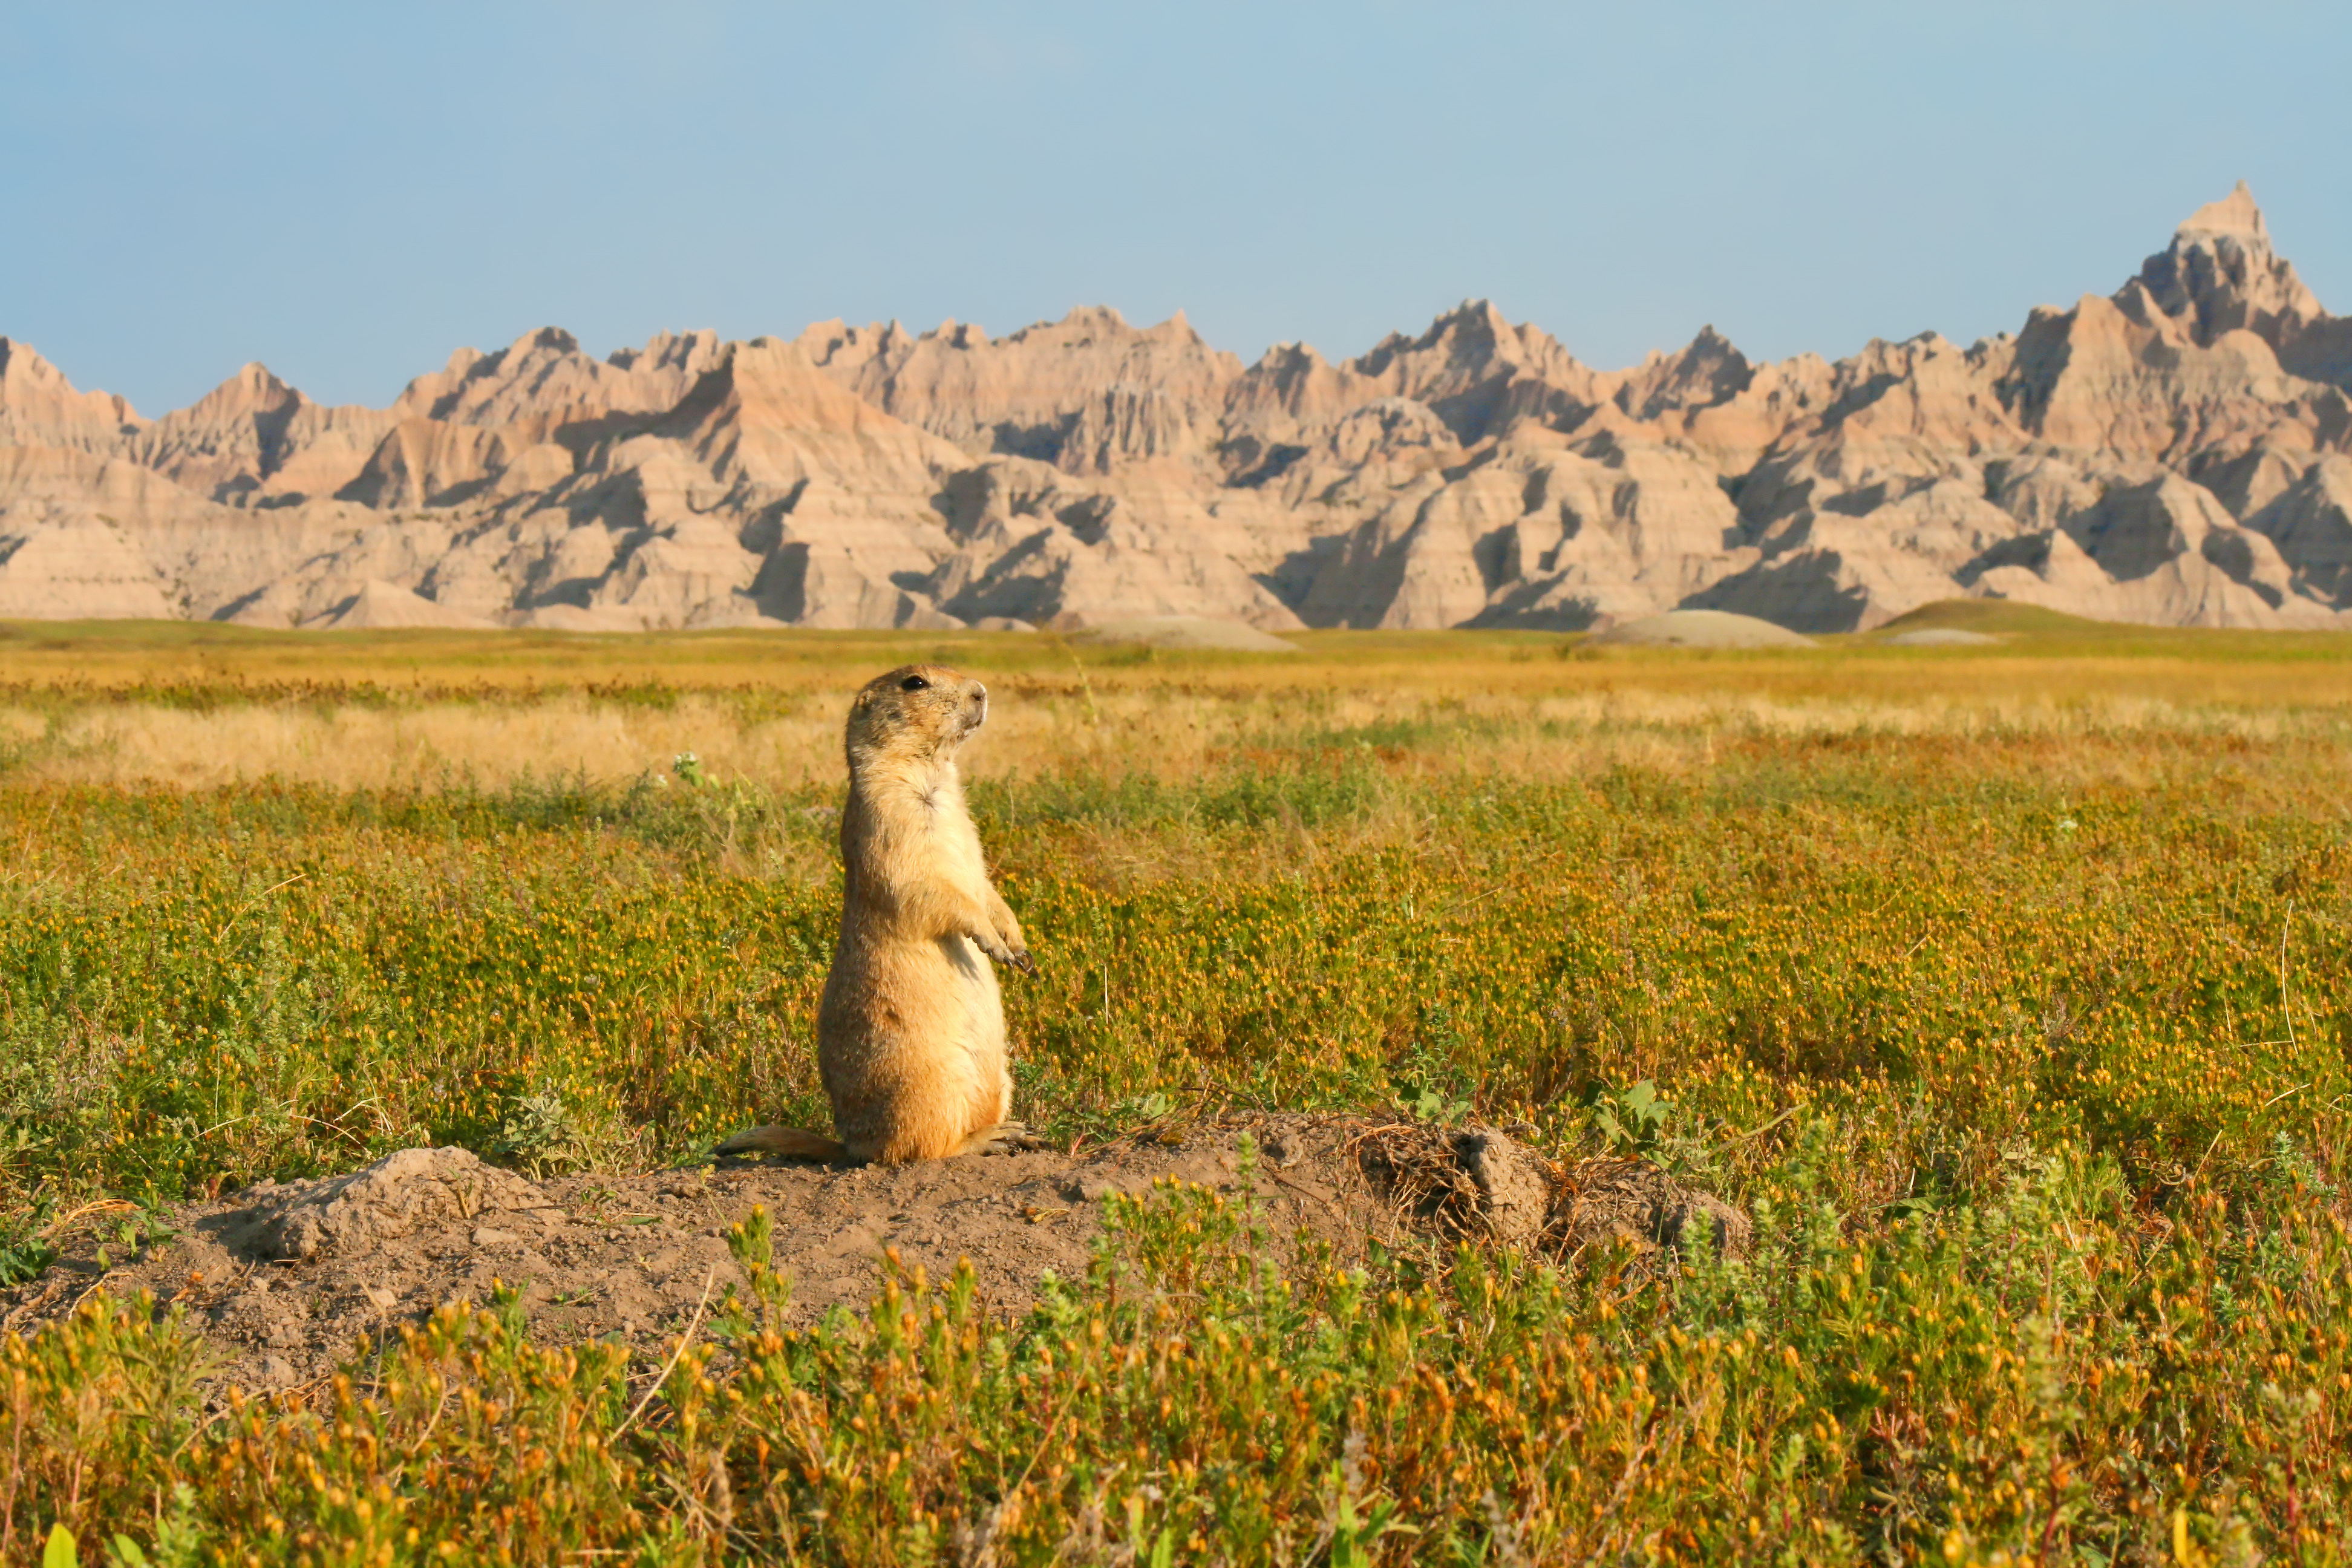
(1172,730)
(1173,734)
(202,707)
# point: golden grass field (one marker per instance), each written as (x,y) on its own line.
(198,707)
(2006,987)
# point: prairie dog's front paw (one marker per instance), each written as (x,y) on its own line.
(999,936)
(1006,927)
(1011,957)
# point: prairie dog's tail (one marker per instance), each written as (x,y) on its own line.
(789,1142)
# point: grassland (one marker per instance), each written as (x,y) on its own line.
(2007,988)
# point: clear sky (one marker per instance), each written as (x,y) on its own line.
(348,191)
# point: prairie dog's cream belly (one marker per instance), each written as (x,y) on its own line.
(912,1030)
(982,1030)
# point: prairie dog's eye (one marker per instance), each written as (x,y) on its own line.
(914,683)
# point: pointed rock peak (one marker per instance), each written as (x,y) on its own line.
(955,334)
(823,340)
(1706,350)
(252,390)
(1704,371)
(1288,358)
(2235,214)
(1474,313)
(23,362)
(1176,329)
(1473,320)
(772,381)
(25,373)
(669,348)
(2221,274)
(462,360)
(1929,342)
(23,366)
(554,338)
(1081,326)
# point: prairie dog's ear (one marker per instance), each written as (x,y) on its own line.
(865,701)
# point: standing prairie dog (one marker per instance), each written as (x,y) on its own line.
(910,1034)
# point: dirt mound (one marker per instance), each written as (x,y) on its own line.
(1633,1200)
(349,1215)
(1479,1183)
(285,1279)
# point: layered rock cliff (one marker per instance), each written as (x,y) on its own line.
(2178,452)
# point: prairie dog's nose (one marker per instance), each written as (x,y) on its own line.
(978,697)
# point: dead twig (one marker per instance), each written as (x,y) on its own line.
(2286,1007)
(239,913)
(684,1340)
(57,1227)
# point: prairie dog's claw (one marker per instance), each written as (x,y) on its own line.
(1010,1138)
(1023,961)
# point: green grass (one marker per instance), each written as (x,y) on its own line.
(2031,629)
(88,656)
(2003,616)
(2028,1043)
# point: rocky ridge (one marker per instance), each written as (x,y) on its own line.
(2178,452)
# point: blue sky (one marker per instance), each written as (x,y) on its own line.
(346,192)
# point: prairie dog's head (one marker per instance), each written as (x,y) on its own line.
(917,713)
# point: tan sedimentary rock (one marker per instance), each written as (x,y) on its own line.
(2220,275)
(1086,392)
(2310,522)
(376,604)
(78,568)
(39,408)
(2176,452)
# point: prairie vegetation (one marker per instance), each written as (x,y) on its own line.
(2006,987)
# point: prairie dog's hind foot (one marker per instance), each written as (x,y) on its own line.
(1004,1138)
(791,1142)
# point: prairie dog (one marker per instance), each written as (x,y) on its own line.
(910,1034)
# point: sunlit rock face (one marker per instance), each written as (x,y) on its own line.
(2174,453)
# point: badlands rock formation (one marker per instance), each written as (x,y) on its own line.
(2176,452)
